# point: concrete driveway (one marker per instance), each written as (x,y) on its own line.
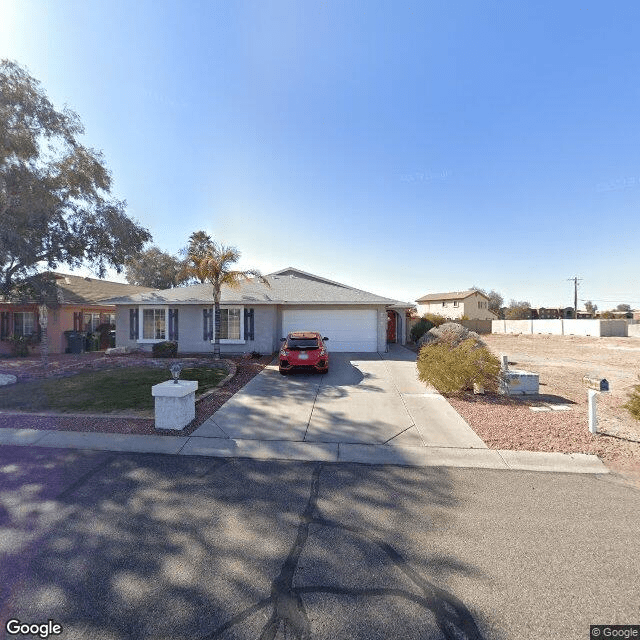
(365,398)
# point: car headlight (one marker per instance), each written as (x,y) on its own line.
(284,352)
(323,352)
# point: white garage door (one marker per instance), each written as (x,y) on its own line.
(347,329)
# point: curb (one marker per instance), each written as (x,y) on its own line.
(332,452)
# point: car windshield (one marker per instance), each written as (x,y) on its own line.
(302,343)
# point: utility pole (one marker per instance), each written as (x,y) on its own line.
(575,294)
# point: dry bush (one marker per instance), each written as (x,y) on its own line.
(451,334)
(633,406)
(454,370)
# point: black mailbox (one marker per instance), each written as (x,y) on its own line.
(595,383)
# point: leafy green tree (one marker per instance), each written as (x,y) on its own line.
(518,310)
(200,244)
(55,202)
(214,267)
(623,307)
(153,268)
(590,307)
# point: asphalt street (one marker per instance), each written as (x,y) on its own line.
(116,546)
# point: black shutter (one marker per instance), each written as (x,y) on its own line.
(207,324)
(4,325)
(248,324)
(133,324)
(173,324)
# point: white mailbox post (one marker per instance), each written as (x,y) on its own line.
(595,385)
(175,403)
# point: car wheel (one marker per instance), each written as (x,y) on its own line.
(283,372)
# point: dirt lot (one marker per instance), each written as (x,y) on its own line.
(561,362)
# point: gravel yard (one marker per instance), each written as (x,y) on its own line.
(561,362)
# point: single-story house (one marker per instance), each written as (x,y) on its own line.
(255,316)
(472,304)
(74,303)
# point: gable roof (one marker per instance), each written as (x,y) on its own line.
(288,286)
(81,290)
(452,295)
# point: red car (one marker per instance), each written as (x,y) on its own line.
(303,350)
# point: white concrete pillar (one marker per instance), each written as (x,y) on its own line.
(175,403)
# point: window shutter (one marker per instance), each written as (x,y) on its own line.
(173,324)
(133,324)
(207,324)
(4,325)
(249,325)
(77,321)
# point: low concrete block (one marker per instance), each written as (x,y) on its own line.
(519,382)
(6,379)
(175,404)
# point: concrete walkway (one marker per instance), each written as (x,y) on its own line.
(369,409)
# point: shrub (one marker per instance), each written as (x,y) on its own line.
(167,349)
(434,319)
(420,328)
(20,345)
(451,334)
(633,406)
(453,370)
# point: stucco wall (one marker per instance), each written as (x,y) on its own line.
(190,331)
(579,327)
(633,330)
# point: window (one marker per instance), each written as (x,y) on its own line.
(24,323)
(455,303)
(229,324)
(91,322)
(153,324)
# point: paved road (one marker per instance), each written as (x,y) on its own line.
(366,398)
(118,546)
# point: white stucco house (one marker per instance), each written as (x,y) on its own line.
(254,317)
(455,304)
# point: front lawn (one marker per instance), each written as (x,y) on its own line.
(128,388)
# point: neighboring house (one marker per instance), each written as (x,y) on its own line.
(553,313)
(472,304)
(254,317)
(77,304)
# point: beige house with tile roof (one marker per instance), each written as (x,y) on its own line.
(455,304)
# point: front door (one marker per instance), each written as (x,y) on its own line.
(391,326)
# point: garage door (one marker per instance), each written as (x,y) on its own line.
(347,329)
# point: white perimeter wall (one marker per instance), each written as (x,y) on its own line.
(580,327)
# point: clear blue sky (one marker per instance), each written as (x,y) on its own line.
(400,147)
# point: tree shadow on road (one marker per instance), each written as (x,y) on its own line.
(119,546)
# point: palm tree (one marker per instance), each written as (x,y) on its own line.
(213,266)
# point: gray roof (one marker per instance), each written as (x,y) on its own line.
(64,288)
(452,295)
(289,286)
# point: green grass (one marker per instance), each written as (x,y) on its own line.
(100,391)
